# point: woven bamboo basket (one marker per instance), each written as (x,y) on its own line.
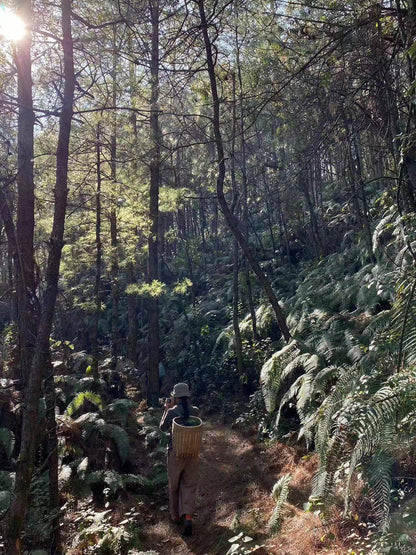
(186,440)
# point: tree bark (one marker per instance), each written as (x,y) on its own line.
(230,218)
(115,293)
(27,304)
(131,341)
(153,270)
(24,471)
(98,262)
(53,459)
(236,320)
(245,191)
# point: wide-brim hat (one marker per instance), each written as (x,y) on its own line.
(180,390)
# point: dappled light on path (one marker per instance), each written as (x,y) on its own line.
(236,478)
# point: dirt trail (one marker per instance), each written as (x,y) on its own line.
(236,478)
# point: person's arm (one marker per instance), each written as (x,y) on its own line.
(167,417)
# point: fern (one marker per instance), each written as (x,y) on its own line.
(280,494)
(121,440)
(331,405)
(365,433)
(64,476)
(271,372)
(79,401)
(379,473)
(404,321)
(136,482)
(109,478)
(384,226)
(119,410)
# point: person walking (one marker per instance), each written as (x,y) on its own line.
(182,472)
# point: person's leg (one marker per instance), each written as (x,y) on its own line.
(187,492)
(175,467)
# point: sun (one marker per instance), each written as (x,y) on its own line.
(11,26)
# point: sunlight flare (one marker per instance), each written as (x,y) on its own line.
(11,26)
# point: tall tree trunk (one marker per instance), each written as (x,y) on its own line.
(132,303)
(155,136)
(115,293)
(132,331)
(230,218)
(98,262)
(304,186)
(53,459)
(27,305)
(236,319)
(363,197)
(245,190)
(24,471)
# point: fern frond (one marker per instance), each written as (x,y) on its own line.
(271,371)
(113,480)
(336,452)
(121,440)
(88,420)
(81,399)
(223,337)
(379,473)
(138,483)
(264,316)
(347,381)
(383,226)
(290,394)
(404,320)
(90,384)
(280,494)
(119,410)
(325,375)
(64,476)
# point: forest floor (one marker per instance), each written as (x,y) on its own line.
(237,474)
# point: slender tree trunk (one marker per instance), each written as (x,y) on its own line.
(132,303)
(236,319)
(98,262)
(231,220)
(27,304)
(155,135)
(304,187)
(24,471)
(131,341)
(245,192)
(53,459)
(115,293)
(363,196)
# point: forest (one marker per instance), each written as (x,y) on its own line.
(221,193)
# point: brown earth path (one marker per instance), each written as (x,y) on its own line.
(236,478)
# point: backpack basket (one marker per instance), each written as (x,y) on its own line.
(186,438)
